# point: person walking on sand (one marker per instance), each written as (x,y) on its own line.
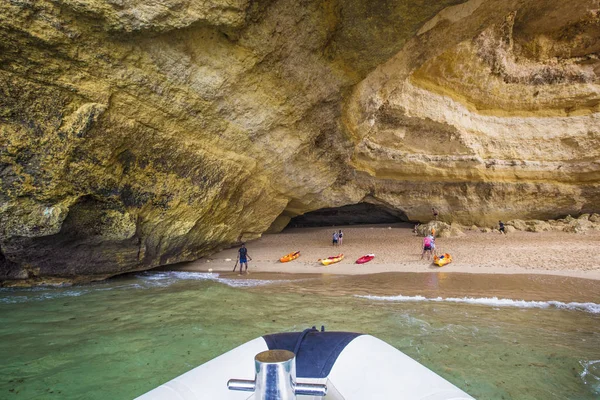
(336,237)
(243,257)
(340,237)
(427,247)
(435,213)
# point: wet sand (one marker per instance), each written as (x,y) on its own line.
(437,285)
(397,249)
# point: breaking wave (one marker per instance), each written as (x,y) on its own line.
(145,280)
(167,278)
(493,301)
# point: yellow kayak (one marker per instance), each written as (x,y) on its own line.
(290,257)
(332,260)
(442,260)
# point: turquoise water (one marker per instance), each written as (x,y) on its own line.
(119,339)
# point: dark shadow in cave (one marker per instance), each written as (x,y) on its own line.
(354,214)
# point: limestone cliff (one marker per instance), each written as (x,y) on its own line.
(135,134)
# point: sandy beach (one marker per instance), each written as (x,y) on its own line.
(398,249)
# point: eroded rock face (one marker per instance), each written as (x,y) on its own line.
(136,134)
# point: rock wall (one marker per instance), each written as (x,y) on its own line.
(136,134)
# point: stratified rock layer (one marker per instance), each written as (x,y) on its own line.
(136,134)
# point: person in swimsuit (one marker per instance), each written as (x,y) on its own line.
(502,229)
(243,257)
(428,247)
(340,237)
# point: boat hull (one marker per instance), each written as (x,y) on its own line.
(365,368)
(289,257)
(332,260)
(365,259)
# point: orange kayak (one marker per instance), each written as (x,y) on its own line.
(290,257)
(442,260)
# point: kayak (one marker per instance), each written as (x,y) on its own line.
(290,257)
(336,365)
(365,258)
(332,260)
(442,260)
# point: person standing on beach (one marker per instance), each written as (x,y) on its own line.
(435,213)
(243,257)
(427,247)
(432,239)
(335,238)
(340,237)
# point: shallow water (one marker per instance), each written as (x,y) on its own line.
(121,338)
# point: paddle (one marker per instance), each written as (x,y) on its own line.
(235,266)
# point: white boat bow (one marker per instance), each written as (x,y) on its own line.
(352,366)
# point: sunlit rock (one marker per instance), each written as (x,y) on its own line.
(136,134)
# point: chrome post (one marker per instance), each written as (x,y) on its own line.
(275,378)
(275,375)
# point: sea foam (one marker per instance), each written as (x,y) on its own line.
(23,296)
(169,277)
(591,374)
(145,280)
(493,301)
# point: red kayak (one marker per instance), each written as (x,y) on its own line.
(365,259)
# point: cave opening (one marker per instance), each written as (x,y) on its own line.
(353,214)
